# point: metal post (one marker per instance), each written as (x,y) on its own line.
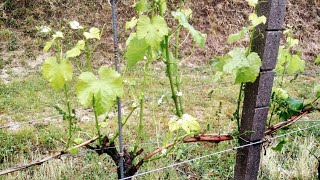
(117,67)
(257,95)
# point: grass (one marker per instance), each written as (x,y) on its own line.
(27,99)
(296,159)
(33,97)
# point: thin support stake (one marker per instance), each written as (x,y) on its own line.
(116,62)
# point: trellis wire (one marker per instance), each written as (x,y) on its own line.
(308,121)
(116,61)
(219,152)
(125,145)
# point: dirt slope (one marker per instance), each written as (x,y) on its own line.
(216,18)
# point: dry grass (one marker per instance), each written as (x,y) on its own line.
(294,161)
(217,19)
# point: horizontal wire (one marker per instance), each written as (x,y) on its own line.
(308,121)
(219,152)
(198,158)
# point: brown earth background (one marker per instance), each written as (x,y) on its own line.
(216,18)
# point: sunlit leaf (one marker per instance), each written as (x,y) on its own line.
(58,35)
(163,6)
(255,20)
(236,55)
(237,36)
(141,6)
(245,68)
(288,63)
(131,24)
(48,45)
(280,93)
(252,3)
(173,124)
(57,73)
(152,30)
(197,36)
(250,69)
(105,89)
(187,12)
(295,64)
(186,122)
(44,29)
(78,140)
(75,25)
(76,51)
(131,36)
(292,42)
(136,50)
(94,33)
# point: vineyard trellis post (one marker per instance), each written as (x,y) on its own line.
(257,95)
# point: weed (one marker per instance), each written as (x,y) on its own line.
(2,63)
(6,34)
(13,44)
(294,161)
(9,5)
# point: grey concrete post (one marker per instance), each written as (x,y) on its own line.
(257,95)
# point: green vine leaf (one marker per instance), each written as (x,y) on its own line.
(48,45)
(280,93)
(78,140)
(187,12)
(131,24)
(255,20)
(94,33)
(295,104)
(237,36)
(317,60)
(279,146)
(153,30)
(246,68)
(104,89)
(317,90)
(186,122)
(292,42)
(141,6)
(295,64)
(136,50)
(76,51)
(131,36)
(288,63)
(75,25)
(197,36)
(57,73)
(58,35)
(163,6)
(252,3)
(250,69)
